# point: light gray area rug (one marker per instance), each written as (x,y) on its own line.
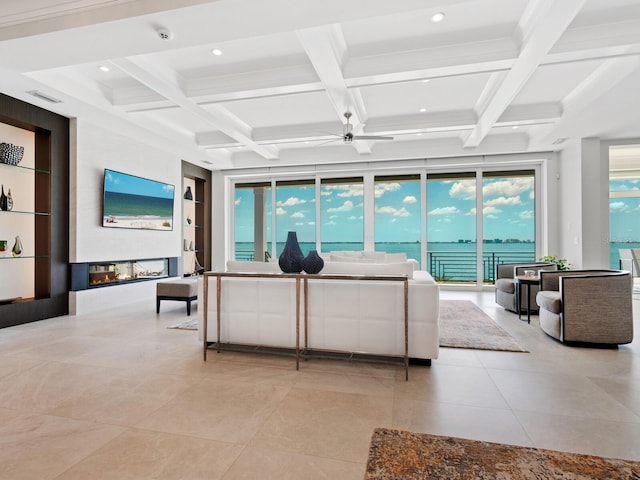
(191,324)
(464,325)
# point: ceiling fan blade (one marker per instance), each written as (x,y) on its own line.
(371,137)
(329,141)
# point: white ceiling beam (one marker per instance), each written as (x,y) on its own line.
(542,24)
(166,83)
(327,50)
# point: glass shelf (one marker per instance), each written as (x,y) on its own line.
(8,256)
(24,212)
(23,168)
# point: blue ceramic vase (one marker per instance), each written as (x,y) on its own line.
(313,263)
(291,258)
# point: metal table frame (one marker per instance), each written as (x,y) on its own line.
(304,279)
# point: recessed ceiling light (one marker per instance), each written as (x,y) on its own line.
(422,110)
(217,52)
(426,80)
(103,68)
(437,17)
(515,127)
(419,134)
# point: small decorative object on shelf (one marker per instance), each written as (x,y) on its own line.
(9,200)
(4,203)
(10,154)
(313,263)
(189,220)
(192,246)
(290,260)
(16,251)
(185,245)
(188,195)
(3,248)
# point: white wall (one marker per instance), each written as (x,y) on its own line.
(584,205)
(93,149)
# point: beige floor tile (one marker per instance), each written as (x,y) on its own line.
(16,366)
(34,446)
(267,464)
(328,424)
(140,454)
(123,399)
(229,411)
(475,423)
(458,356)
(559,394)
(625,391)
(582,435)
(453,384)
(346,383)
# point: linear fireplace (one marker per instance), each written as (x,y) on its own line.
(118,272)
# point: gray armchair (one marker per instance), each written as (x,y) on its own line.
(505,292)
(587,306)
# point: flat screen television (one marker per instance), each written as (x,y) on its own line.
(135,202)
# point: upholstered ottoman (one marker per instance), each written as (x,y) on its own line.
(185,290)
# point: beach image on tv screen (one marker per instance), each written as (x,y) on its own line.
(135,202)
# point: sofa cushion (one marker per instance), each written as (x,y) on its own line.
(359,268)
(377,256)
(252,267)
(506,285)
(550,300)
(334,257)
(395,257)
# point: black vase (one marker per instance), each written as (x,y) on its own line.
(188,195)
(3,201)
(291,258)
(313,263)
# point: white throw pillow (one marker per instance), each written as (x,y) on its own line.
(378,256)
(235,266)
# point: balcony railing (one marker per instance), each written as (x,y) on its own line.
(447,266)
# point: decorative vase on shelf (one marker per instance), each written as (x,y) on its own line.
(188,195)
(16,251)
(9,200)
(313,263)
(3,201)
(290,260)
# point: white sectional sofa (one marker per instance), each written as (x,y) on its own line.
(360,316)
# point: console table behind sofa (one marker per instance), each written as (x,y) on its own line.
(354,315)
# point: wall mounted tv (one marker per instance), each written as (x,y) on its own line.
(135,202)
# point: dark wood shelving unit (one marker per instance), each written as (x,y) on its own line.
(49,247)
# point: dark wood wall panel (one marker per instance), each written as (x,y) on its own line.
(52,151)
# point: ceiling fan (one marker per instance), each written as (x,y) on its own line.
(348,136)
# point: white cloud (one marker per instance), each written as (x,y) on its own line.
(485,211)
(311,223)
(280,211)
(444,211)
(527,215)
(465,189)
(396,212)
(345,207)
(509,187)
(503,201)
(238,200)
(299,224)
(297,215)
(355,190)
(330,222)
(353,217)
(291,201)
(618,207)
(381,188)
(325,193)
(409,199)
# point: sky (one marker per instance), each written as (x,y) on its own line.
(508,211)
(123,183)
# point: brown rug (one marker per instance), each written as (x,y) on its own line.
(464,325)
(399,455)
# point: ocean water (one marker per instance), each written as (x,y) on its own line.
(460,257)
(141,206)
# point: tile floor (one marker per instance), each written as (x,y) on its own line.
(117,395)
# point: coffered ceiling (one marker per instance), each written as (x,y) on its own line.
(493,76)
